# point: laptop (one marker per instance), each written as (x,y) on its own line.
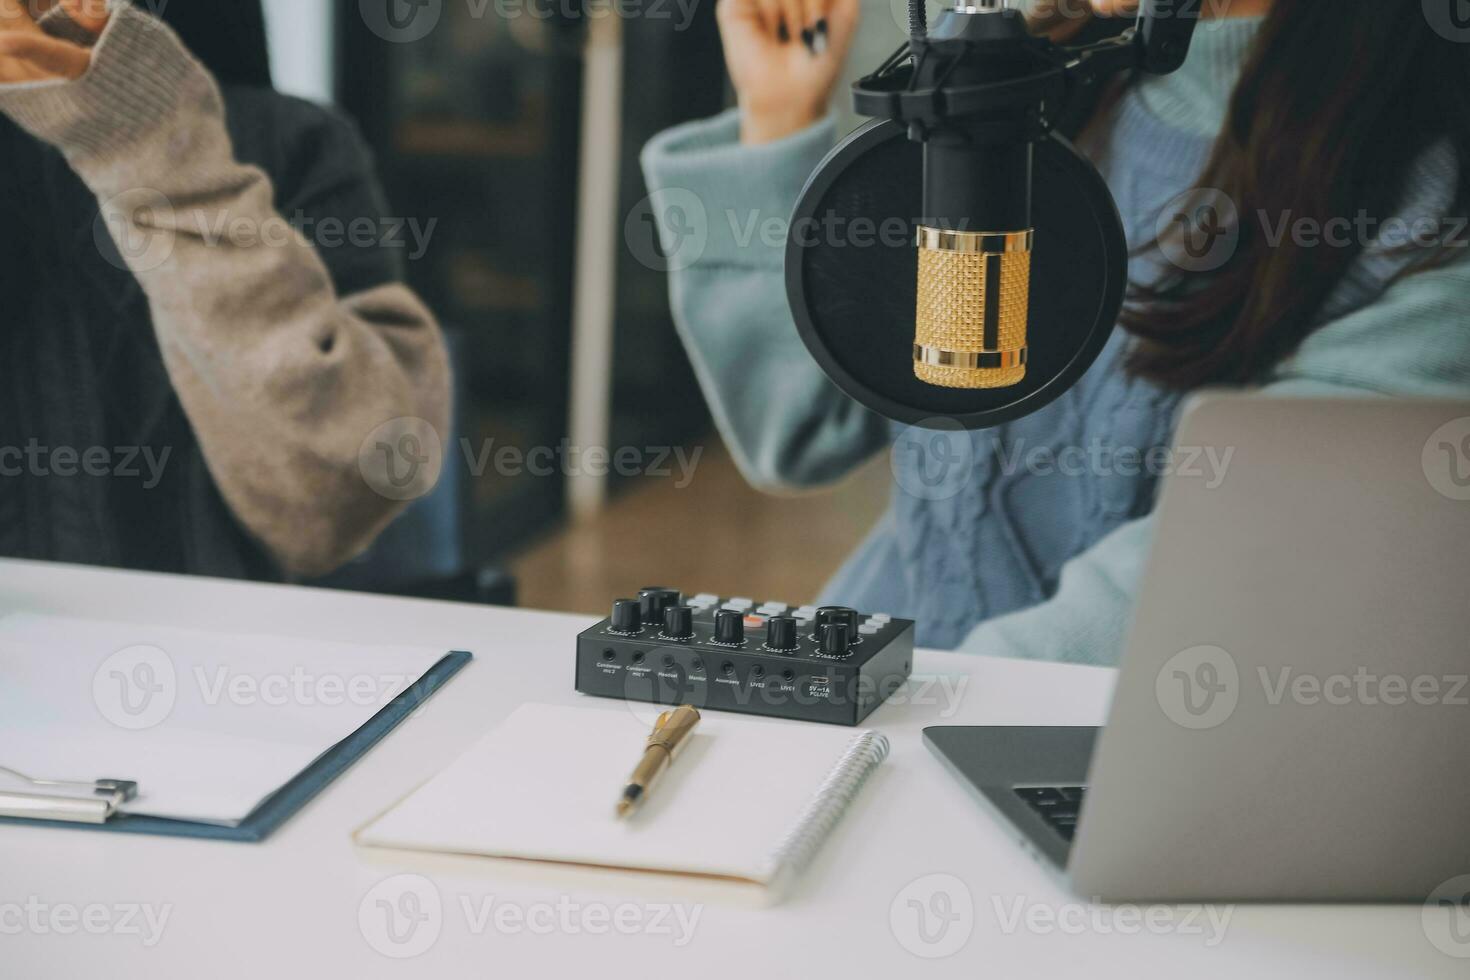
(1291,720)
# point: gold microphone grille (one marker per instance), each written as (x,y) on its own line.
(973,299)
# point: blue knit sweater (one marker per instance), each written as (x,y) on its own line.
(1024,540)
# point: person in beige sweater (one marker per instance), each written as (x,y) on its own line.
(295,373)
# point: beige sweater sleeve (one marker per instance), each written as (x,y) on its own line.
(292,391)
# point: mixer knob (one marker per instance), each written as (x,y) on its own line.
(835,638)
(625,616)
(837,614)
(653,600)
(729,627)
(781,633)
(679,622)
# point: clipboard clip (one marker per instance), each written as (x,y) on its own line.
(92,802)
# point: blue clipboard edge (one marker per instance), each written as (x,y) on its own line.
(280,806)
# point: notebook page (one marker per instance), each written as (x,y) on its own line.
(543,786)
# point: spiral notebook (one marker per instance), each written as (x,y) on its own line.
(747,800)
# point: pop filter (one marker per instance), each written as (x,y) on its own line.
(924,276)
(852,278)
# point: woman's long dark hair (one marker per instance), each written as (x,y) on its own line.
(1335,104)
(227,35)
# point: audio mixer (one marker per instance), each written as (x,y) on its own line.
(829,663)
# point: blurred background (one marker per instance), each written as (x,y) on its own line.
(514,127)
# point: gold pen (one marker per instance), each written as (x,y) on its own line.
(670,732)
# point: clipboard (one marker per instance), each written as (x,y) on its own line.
(80,804)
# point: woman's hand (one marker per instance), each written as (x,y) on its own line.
(29,54)
(1061,20)
(781,85)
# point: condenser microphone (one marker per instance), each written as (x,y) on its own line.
(975,234)
(1012,281)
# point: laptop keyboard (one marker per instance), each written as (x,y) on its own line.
(1057,805)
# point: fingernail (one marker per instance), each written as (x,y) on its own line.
(809,39)
(819,41)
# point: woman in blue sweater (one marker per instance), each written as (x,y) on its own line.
(1354,116)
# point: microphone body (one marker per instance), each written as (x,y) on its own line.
(974,290)
(975,234)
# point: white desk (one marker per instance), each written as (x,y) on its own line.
(290,908)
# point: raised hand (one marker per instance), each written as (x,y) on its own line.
(29,54)
(784,57)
